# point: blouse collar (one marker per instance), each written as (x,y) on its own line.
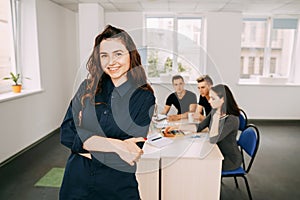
(124,88)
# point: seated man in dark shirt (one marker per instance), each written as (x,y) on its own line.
(183,100)
(204,107)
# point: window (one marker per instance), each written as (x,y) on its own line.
(159,45)
(282,46)
(7,55)
(252,47)
(267,47)
(173,46)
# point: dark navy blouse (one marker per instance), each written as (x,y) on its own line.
(118,112)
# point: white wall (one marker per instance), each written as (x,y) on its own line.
(90,22)
(259,101)
(132,22)
(57,30)
(223,47)
(30,118)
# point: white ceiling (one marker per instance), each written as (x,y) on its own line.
(192,6)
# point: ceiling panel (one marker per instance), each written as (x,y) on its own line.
(109,7)
(149,5)
(289,8)
(248,6)
(128,6)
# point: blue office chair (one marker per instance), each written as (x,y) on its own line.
(243,120)
(248,142)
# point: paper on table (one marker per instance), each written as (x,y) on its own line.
(160,117)
(161,124)
(158,140)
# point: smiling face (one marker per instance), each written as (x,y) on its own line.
(115,60)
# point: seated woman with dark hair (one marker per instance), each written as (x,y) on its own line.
(223,123)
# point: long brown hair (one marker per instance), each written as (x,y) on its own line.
(230,106)
(96,75)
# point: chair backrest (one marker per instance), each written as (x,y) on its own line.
(243,120)
(249,142)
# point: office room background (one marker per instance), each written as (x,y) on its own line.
(56,41)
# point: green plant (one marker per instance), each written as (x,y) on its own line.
(181,68)
(153,64)
(168,64)
(14,77)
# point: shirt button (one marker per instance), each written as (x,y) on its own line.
(105,112)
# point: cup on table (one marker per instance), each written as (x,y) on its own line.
(191,117)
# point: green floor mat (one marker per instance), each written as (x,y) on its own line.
(52,178)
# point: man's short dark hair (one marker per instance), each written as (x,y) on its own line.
(205,78)
(177,77)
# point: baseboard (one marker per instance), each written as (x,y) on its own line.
(275,121)
(28,148)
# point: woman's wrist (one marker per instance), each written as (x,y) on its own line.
(98,143)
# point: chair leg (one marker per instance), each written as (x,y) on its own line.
(248,188)
(236,183)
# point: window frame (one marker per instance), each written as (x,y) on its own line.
(14,26)
(28,64)
(267,55)
(176,17)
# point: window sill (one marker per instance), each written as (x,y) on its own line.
(10,95)
(158,81)
(256,83)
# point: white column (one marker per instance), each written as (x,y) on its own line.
(90,24)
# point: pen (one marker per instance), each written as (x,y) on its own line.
(156,138)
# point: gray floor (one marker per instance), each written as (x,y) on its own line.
(275,174)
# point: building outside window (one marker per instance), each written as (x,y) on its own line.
(283,37)
(252,47)
(267,47)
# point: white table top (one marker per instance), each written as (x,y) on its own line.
(164,123)
(189,146)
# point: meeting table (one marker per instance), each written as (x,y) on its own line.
(186,166)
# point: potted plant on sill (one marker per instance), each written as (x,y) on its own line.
(16,88)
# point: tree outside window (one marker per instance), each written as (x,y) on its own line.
(173,46)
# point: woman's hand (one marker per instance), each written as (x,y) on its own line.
(126,149)
(129,151)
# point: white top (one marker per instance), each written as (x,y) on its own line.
(189,146)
